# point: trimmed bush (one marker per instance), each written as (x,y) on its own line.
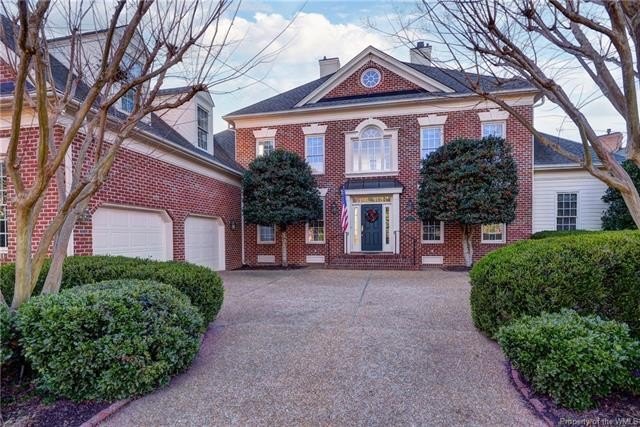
(202,285)
(594,273)
(109,340)
(553,233)
(7,334)
(575,359)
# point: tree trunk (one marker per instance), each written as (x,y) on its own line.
(632,200)
(285,262)
(467,245)
(23,263)
(58,255)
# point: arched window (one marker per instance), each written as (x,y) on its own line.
(371,151)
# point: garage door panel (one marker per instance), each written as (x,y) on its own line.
(131,232)
(204,242)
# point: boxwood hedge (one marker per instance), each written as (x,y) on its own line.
(575,359)
(202,285)
(109,340)
(594,273)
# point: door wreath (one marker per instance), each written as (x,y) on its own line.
(372,215)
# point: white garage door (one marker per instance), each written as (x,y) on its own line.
(204,242)
(132,232)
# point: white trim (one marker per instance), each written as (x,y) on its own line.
(384,60)
(323,192)
(266,259)
(222,258)
(4,145)
(494,242)
(432,120)
(315,259)
(265,133)
(262,141)
(493,115)
(432,260)
(578,205)
(306,152)
(494,122)
(324,226)
(314,129)
(432,242)
(387,133)
(367,70)
(266,242)
(322,113)
(441,127)
(369,191)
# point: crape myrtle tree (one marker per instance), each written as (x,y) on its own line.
(617,216)
(72,98)
(470,182)
(572,51)
(279,189)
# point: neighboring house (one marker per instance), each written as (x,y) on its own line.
(172,194)
(365,128)
(565,195)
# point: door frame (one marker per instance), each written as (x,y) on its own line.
(382,209)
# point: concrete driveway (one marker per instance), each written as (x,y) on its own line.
(328,347)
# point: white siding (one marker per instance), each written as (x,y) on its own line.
(546,186)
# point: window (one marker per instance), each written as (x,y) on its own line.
(430,140)
(265,147)
(493,233)
(432,231)
(4,234)
(203,128)
(315,229)
(370,77)
(132,70)
(314,151)
(266,234)
(493,129)
(567,218)
(371,151)
(127,101)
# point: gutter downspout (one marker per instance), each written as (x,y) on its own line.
(242,225)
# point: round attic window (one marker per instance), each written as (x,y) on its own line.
(370,77)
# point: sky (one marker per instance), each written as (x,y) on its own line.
(317,28)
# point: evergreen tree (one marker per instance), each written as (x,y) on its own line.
(471,182)
(617,216)
(279,189)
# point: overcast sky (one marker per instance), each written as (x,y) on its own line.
(343,29)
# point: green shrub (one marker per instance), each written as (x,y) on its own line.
(202,285)
(109,340)
(554,233)
(7,334)
(595,273)
(575,359)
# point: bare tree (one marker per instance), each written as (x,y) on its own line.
(539,40)
(74,93)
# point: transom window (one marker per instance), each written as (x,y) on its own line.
(430,140)
(314,151)
(493,233)
(266,234)
(371,151)
(432,231)
(567,218)
(4,234)
(265,147)
(370,77)
(493,129)
(315,229)
(203,128)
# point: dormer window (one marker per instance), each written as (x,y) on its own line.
(203,129)
(132,70)
(127,101)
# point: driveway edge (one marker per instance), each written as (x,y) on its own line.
(524,391)
(105,413)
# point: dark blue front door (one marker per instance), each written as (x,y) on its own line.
(371,227)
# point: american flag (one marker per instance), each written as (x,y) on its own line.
(344,215)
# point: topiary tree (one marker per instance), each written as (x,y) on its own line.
(617,215)
(471,182)
(279,189)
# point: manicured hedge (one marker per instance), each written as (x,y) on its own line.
(202,285)
(553,233)
(7,334)
(109,340)
(594,273)
(574,359)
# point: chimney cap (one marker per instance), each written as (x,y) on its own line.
(420,45)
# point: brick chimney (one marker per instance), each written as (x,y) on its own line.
(421,54)
(328,66)
(611,141)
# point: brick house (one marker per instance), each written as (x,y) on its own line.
(365,127)
(172,194)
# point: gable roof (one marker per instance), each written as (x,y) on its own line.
(545,156)
(155,126)
(435,82)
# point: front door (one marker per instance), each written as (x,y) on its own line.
(371,227)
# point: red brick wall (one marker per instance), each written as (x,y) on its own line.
(138,180)
(6,72)
(390,82)
(458,124)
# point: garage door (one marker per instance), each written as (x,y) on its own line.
(132,232)
(204,242)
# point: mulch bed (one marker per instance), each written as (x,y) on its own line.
(272,267)
(615,410)
(23,406)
